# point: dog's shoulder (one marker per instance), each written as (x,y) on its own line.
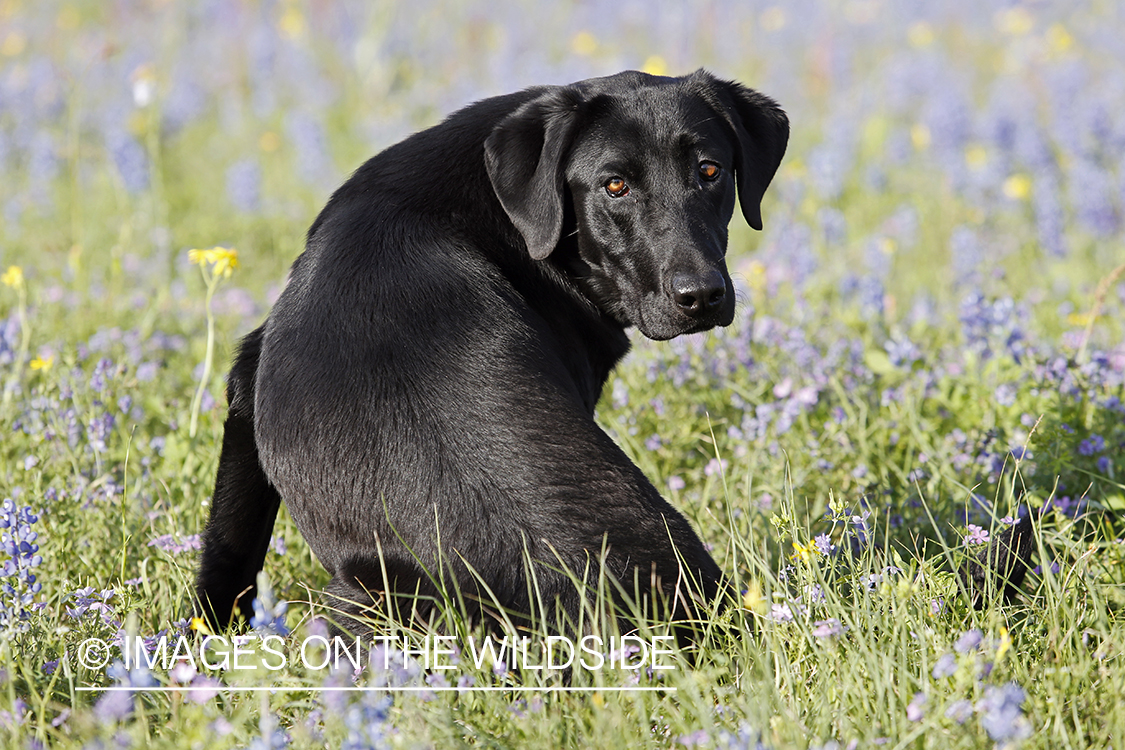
(433,172)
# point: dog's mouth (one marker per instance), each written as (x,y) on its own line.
(663,319)
(684,303)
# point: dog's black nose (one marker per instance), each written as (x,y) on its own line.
(699,295)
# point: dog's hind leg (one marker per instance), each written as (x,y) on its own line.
(244,506)
(356,599)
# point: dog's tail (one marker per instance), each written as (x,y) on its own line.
(1002,565)
(243,507)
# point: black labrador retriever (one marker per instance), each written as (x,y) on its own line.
(422,394)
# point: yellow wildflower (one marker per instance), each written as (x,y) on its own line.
(1017,187)
(200,625)
(269,142)
(223,260)
(1015,21)
(68,18)
(921,34)
(976,156)
(14,43)
(1005,644)
(42,363)
(1059,39)
(804,552)
(920,136)
(795,168)
(584,43)
(755,273)
(655,65)
(13,277)
(773,18)
(753,599)
(292,23)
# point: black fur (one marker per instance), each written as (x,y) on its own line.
(1001,566)
(431,368)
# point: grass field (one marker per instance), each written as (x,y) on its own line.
(930,341)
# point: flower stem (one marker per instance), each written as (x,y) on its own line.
(212,284)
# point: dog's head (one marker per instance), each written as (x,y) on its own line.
(646,168)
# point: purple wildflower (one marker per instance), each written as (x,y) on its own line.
(828,628)
(916,709)
(959,711)
(976,535)
(117,704)
(824,544)
(272,737)
(175,544)
(945,666)
(698,738)
(968,641)
(277,544)
(715,466)
(781,613)
(1001,714)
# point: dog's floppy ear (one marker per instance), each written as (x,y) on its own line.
(762,132)
(524,157)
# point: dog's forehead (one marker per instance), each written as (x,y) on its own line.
(653,119)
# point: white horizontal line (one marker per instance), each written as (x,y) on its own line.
(406,689)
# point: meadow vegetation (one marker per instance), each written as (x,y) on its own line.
(930,342)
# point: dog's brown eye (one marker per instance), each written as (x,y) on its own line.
(709,171)
(617,187)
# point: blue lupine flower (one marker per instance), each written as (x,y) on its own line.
(270,737)
(130,159)
(1001,714)
(747,739)
(367,723)
(959,710)
(968,641)
(117,704)
(244,185)
(902,351)
(269,614)
(18,543)
(945,666)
